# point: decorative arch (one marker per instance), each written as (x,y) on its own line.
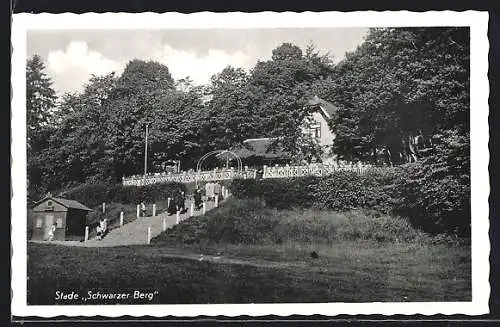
(216,153)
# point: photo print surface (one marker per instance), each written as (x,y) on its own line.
(250,164)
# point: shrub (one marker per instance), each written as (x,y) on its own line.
(437,204)
(89,194)
(382,228)
(340,191)
(433,194)
(94,194)
(248,221)
(278,193)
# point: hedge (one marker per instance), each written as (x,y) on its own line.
(278,193)
(341,191)
(434,205)
(92,195)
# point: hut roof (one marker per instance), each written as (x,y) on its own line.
(70,204)
(327,108)
(261,147)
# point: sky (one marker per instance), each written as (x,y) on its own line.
(71,56)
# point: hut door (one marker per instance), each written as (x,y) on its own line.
(49,221)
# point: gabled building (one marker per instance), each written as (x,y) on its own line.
(316,126)
(69,217)
(261,151)
(266,151)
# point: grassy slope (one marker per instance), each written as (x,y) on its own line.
(250,222)
(346,272)
(263,255)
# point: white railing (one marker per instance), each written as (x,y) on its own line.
(227,174)
(311,170)
(188,177)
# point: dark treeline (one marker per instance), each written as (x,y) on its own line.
(403,95)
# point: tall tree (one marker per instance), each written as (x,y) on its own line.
(284,85)
(400,83)
(40,104)
(40,100)
(138,89)
(232,116)
(81,147)
(176,130)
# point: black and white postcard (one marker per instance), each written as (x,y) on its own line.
(228,164)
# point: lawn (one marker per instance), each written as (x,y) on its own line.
(243,252)
(343,272)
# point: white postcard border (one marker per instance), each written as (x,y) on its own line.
(478,22)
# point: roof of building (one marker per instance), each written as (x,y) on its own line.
(70,204)
(260,147)
(328,108)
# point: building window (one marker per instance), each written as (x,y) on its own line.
(59,223)
(39,223)
(315,131)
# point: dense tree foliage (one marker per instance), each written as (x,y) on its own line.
(81,148)
(233,117)
(40,99)
(284,85)
(399,84)
(40,109)
(403,95)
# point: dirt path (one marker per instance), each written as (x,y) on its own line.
(221,259)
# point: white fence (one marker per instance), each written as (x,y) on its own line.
(188,177)
(310,170)
(227,174)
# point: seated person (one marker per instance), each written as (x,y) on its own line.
(99,233)
(102,229)
(104,226)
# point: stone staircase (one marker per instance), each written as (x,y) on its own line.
(136,231)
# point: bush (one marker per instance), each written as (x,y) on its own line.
(433,195)
(94,194)
(380,228)
(436,204)
(277,193)
(341,191)
(250,222)
(90,195)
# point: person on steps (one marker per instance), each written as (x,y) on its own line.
(172,206)
(182,202)
(209,190)
(175,203)
(217,190)
(197,198)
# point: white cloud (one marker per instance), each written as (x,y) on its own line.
(71,68)
(199,68)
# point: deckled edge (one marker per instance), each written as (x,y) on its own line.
(399,18)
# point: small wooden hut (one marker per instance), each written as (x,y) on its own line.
(70,217)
